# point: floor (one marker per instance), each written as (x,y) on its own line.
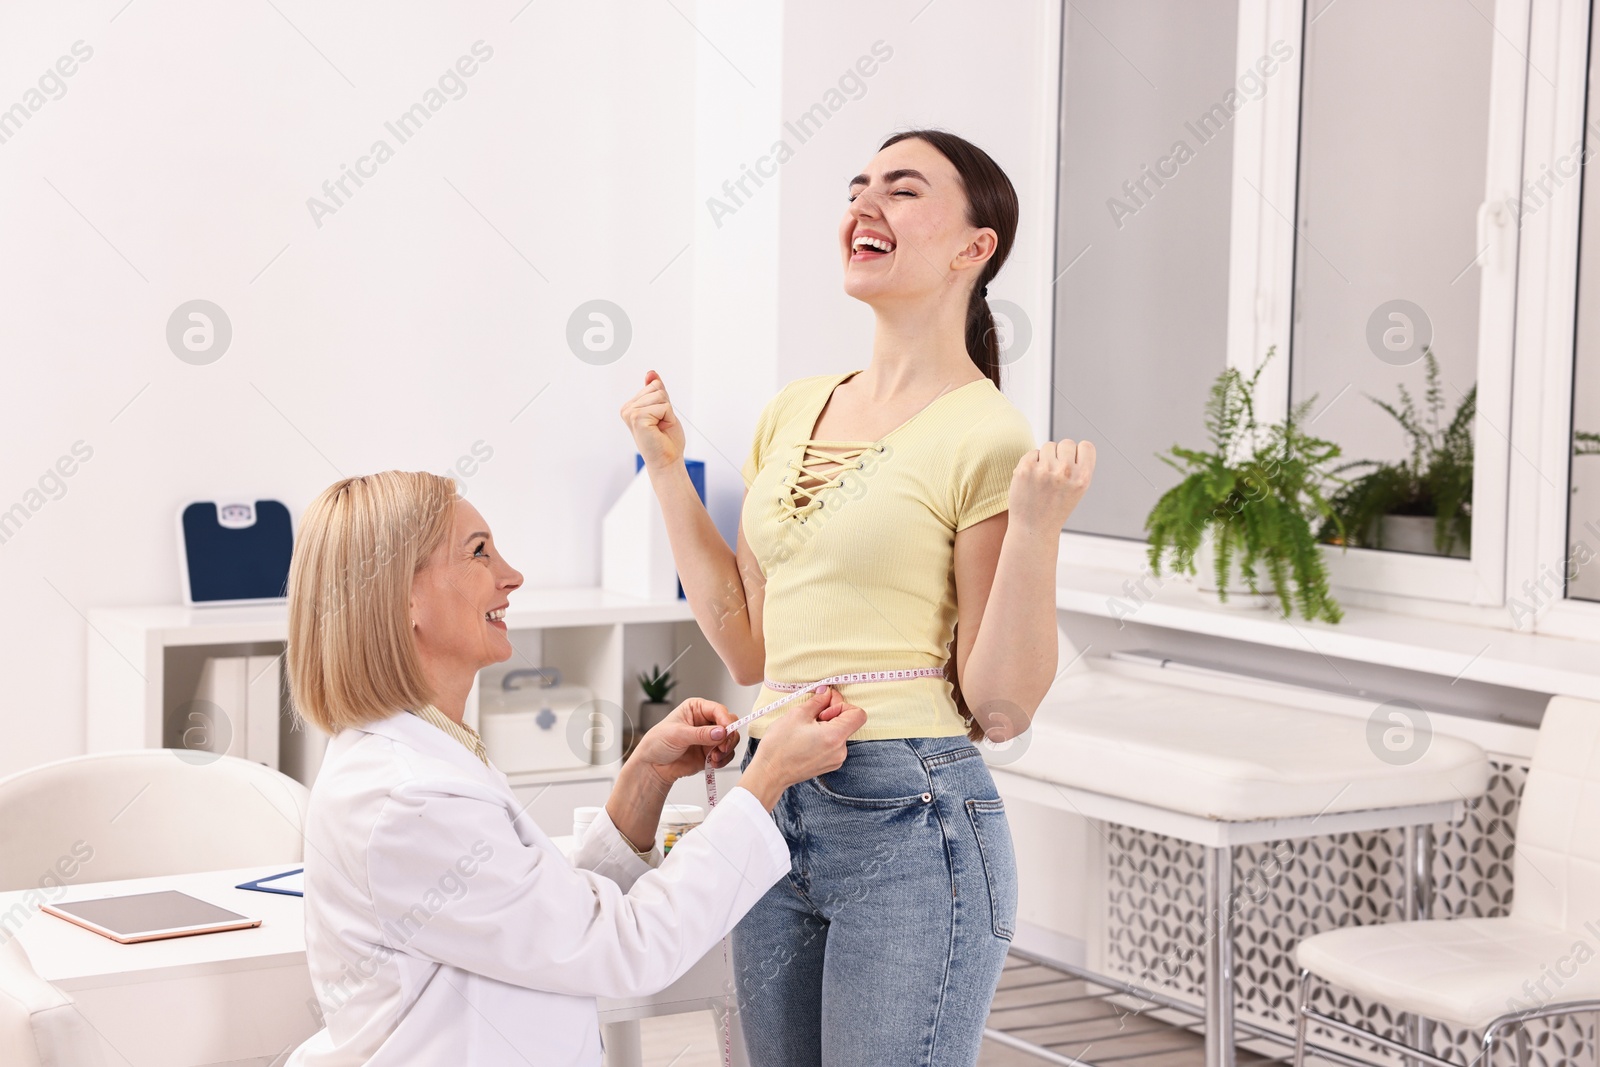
(1034,1002)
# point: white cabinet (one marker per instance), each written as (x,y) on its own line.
(145,665)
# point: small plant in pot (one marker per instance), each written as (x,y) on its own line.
(657,685)
(1256,496)
(1423,503)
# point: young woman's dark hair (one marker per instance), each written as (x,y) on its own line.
(991,202)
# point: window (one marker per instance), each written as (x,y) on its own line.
(1347,198)
(1141,303)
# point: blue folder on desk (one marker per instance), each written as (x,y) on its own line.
(289,883)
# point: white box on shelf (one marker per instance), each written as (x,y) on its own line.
(635,555)
(535,727)
(235,710)
(216,719)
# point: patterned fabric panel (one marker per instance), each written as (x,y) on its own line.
(1155,928)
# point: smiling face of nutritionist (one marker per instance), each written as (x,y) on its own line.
(459,598)
(906,234)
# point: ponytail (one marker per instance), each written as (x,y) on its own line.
(983,337)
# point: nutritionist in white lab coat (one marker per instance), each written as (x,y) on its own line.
(442,926)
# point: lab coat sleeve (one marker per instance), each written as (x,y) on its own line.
(451,881)
(605,851)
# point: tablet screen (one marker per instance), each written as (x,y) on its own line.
(147,913)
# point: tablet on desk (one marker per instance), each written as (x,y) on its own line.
(149,916)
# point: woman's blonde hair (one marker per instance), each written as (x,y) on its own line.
(351,656)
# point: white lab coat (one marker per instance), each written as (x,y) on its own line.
(444,927)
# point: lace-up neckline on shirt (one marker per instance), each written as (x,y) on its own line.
(821,467)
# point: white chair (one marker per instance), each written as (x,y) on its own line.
(145,812)
(39,1025)
(1493,974)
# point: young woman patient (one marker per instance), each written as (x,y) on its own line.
(897,518)
(442,925)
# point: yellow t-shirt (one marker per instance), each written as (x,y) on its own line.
(859,573)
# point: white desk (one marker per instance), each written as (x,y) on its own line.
(244,997)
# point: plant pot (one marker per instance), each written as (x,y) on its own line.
(1239,595)
(1414,533)
(652,712)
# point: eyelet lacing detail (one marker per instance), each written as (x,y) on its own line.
(844,456)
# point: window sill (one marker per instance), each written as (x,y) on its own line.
(1542,663)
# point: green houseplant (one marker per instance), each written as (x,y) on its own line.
(657,685)
(1434,482)
(1257,494)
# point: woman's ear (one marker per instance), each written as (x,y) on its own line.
(976,252)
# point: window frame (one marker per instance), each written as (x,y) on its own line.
(1547,334)
(1266,151)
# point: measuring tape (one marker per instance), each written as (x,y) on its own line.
(795,691)
(799,689)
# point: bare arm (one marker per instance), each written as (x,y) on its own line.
(1005,571)
(724,587)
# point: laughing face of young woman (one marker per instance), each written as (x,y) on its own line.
(905,235)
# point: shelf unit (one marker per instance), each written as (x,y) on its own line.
(143,662)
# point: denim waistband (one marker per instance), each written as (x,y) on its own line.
(928,749)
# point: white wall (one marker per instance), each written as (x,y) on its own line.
(398,334)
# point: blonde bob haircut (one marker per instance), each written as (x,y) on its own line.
(351,656)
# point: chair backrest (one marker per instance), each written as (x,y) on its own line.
(1557,866)
(39,1025)
(142,813)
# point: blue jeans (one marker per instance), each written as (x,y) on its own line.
(884,944)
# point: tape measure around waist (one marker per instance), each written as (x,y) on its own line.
(795,691)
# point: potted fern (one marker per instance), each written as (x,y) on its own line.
(1256,496)
(1423,503)
(657,685)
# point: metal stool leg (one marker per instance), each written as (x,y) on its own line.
(1219,957)
(1416,904)
(1490,1039)
(1301,1023)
